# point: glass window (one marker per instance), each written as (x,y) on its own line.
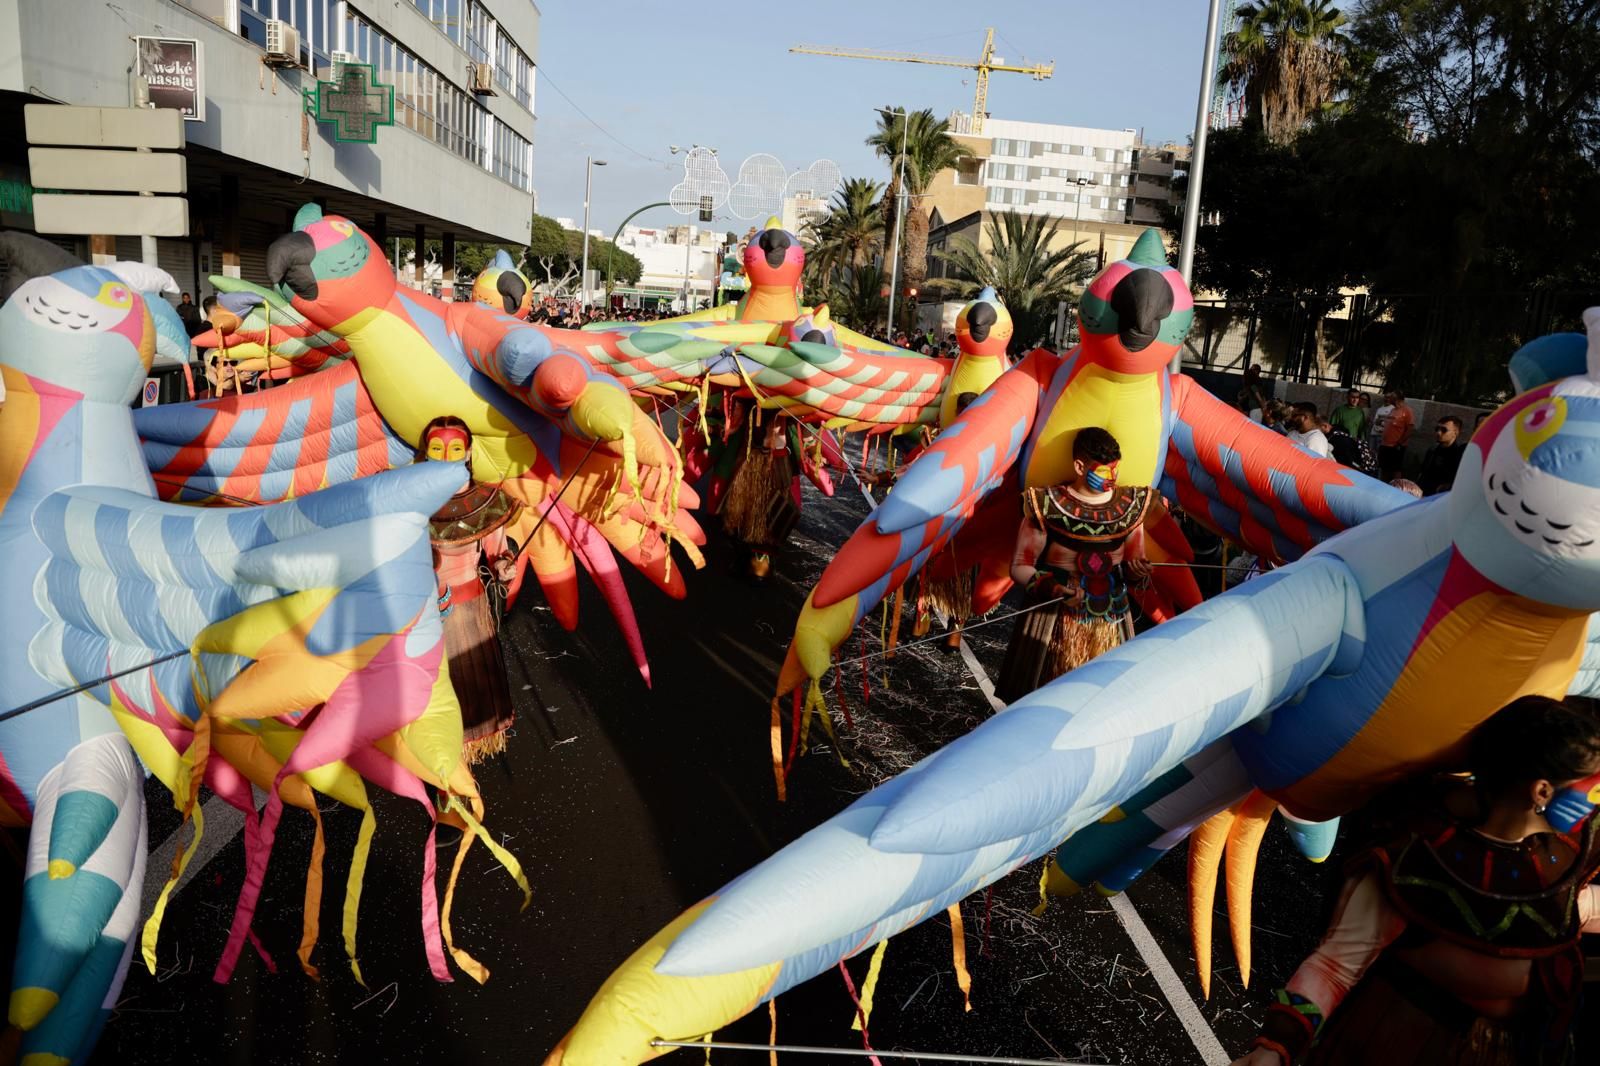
(1002,146)
(1048,147)
(1023,148)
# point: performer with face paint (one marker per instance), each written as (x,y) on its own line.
(475,561)
(1456,937)
(1080,544)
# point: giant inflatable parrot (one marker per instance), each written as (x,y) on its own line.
(560,437)
(1372,658)
(787,356)
(960,499)
(292,647)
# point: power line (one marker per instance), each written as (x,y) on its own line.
(545,71)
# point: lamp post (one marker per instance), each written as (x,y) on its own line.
(589,163)
(899,211)
(1197,161)
(1077,207)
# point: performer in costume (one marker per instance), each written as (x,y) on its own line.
(1455,940)
(474,560)
(1080,542)
(762,504)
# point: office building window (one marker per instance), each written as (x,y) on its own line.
(1002,146)
(1122,205)
(1022,148)
(513,70)
(479,32)
(512,156)
(1048,147)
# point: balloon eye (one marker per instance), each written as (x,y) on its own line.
(1538,417)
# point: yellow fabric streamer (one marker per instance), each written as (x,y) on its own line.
(352,891)
(504,857)
(152,926)
(1044,894)
(772,1031)
(777,749)
(958,951)
(311,921)
(469,965)
(864,1015)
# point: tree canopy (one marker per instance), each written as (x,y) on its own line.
(1457,181)
(555,258)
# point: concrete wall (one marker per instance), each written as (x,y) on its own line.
(50,50)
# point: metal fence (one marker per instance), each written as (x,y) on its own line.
(1445,346)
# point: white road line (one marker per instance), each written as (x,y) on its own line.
(1183,1004)
(223,823)
(1194,1023)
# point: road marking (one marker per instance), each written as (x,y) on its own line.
(1171,985)
(1194,1023)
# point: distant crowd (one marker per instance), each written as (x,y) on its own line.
(1373,440)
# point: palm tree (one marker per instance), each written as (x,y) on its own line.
(1288,58)
(856,296)
(1030,275)
(846,238)
(929,149)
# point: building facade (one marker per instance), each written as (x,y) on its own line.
(673,257)
(1073,172)
(456,165)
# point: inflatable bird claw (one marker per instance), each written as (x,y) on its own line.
(295,647)
(958,505)
(1372,658)
(595,473)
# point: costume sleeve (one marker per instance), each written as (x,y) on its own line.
(1030,545)
(1589,909)
(1363,925)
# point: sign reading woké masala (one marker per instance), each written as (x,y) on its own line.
(172,68)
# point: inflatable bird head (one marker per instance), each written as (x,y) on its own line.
(814,327)
(984,326)
(774,256)
(1525,509)
(503,287)
(330,271)
(1135,313)
(83,329)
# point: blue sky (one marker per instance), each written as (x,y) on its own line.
(654,73)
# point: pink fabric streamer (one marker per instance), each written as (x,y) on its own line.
(590,546)
(390,692)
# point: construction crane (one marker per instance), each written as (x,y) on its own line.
(984,64)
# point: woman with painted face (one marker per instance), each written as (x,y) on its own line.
(1455,939)
(1078,550)
(475,562)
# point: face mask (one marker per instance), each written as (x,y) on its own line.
(1573,804)
(448,444)
(1101,477)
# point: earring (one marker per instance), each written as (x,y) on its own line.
(1538,808)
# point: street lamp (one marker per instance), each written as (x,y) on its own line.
(1077,210)
(589,163)
(899,210)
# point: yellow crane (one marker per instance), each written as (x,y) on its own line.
(984,64)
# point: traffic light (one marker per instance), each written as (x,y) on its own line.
(911,291)
(705,209)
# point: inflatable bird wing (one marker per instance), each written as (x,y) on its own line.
(1371,659)
(290,645)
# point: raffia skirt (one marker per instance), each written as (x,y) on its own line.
(1396,1016)
(478,672)
(1050,641)
(759,507)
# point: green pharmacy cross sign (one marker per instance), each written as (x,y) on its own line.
(354,102)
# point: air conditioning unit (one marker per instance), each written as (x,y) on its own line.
(483,79)
(283,44)
(340,60)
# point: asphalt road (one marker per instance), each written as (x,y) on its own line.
(626,804)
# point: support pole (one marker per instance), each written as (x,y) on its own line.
(1197,161)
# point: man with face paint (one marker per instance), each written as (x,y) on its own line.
(1078,549)
(1456,937)
(475,561)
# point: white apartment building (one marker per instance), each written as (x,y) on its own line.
(1074,172)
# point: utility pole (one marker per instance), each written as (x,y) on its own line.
(1197,162)
(899,212)
(589,163)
